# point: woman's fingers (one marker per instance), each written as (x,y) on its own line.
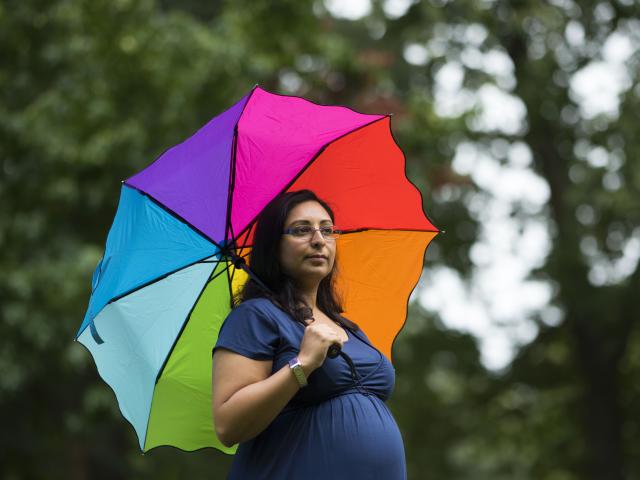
(316,341)
(327,334)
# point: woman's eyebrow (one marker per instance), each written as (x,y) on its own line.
(307,222)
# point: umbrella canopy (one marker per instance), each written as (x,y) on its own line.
(165,283)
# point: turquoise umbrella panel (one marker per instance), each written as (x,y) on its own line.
(145,243)
(138,333)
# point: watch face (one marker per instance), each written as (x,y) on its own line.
(296,368)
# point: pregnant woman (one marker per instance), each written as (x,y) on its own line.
(295,412)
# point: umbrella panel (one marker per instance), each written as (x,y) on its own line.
(277,137)
(145,243)
(192,178)
(138,332)
(362,177)
(378,270)
(181,409)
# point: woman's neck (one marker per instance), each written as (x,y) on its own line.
(309,294)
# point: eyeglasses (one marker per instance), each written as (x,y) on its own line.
(328,232)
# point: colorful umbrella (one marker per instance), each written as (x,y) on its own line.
(165,283)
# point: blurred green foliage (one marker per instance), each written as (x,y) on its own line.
(92,91)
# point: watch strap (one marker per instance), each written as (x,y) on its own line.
(296,368)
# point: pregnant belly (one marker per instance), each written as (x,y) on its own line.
(351,436)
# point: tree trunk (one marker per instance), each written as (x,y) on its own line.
(599,337)
(601,415)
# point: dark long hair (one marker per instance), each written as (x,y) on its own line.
(264,261)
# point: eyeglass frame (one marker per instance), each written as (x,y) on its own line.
(308,236)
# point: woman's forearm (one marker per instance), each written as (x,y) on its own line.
(252,408)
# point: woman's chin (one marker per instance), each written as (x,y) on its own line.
(316,272)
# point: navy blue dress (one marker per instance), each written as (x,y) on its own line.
(338,427)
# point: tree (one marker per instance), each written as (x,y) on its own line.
(93,91)
(593,206)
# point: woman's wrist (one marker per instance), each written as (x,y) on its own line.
(307,367)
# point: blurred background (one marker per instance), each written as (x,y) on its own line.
(520,358)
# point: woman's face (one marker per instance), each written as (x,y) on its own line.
(307,260)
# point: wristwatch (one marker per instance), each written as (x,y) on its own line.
(296,368)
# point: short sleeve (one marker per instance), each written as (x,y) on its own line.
(250,331)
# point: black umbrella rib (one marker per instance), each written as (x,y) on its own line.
(324,147)
(188,317)
(217,274)
(404,157)
(173,146)
(186,321)
(157,279)
(161,277)
(233,273)
(232,182)
(176,216)
(310,162)
(349,232)
(232,169)
(229,279)
(245,243)
(372,229)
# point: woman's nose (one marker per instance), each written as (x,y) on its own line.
(317,238)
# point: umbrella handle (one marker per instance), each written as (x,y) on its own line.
(334,351)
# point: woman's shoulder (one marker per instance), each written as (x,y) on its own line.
(251,329)
(253,303)
(259,307)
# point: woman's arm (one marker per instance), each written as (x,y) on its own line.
(246,397)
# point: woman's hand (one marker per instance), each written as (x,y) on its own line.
(317,339)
